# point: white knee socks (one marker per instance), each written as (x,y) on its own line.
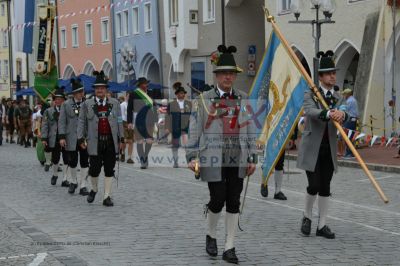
(231,225)
(212,220)
(323,203)
(310,199)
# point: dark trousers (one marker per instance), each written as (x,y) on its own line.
(279,165)
(105,157)
(56,153)
(226,191)
(83,157)
(319,181)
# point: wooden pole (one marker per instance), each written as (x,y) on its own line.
(315,90)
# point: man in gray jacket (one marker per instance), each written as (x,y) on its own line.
(317,153)
(67,128)
(100,131)
(50,135)
(224,150)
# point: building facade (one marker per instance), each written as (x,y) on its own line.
(362,40)
(192,31)
(137,40)
(85,37)
(5,75)
(19,59)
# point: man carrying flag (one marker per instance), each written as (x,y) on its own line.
(317,153)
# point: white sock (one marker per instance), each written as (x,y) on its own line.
(74,178)
(278,176)
(47,156)
(83,176)
(94,183)
(212,221)
(310,199)
(323,203)
(231,225)
(107,186)
(55,169)
(66,170)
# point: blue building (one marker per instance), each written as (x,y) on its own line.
(136,40)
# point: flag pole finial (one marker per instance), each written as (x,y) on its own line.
(270,18)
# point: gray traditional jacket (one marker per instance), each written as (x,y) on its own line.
(49,126)
(206,139)
(68,123)
(88,125)
(314,132)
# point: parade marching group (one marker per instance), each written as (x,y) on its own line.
(96,131)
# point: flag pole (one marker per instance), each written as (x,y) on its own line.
(315,90)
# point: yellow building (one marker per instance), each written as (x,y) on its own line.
(4,50)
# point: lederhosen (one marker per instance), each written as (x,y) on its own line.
(105,146)
(25,121)
(83,153)
(319,181)
(228,190)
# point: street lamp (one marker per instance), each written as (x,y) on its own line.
(327,7)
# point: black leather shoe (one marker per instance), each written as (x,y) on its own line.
(280,196)
(46,167)
(54,180)
(122,158)
(91,196)
(264,191)
(325,232)
(306,226)
(83,191)
(230,256)
(65,183)
(72,187)
(108,202)
(211,246)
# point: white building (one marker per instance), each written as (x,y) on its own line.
(193,29)
(362,39)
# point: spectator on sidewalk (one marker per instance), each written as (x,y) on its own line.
(351,124)
(177,120)
(128,132)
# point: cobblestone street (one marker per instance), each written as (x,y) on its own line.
(158,219)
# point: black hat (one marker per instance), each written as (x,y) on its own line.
(101,79)
(59,92)
(142,80)
(178,88)
(76,85)
(326,63)
(225,61)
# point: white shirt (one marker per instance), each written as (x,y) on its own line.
(221,92)
(326,90)
(124,111)
(104,101)
(181,103)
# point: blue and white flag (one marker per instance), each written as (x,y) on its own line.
(277,97)
(24,14)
